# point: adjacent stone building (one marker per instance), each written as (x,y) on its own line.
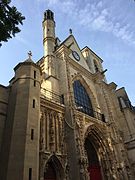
(61,120)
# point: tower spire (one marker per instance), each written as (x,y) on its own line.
(48,32)
(50,69)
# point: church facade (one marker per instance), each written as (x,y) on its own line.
(61,120)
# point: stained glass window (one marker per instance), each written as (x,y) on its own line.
(82,100)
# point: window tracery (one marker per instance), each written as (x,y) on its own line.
(82,100)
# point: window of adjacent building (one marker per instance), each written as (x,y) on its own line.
(33,103)
(30,173)
(82,99)
(32,134)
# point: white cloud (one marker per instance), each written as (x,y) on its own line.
(99,19)
(100,4)
(51,2)
(69,6)
(65,6)
(94,16)
(22,40)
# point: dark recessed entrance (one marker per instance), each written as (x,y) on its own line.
(93,167)
(50,173)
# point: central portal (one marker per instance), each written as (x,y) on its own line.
(93,161)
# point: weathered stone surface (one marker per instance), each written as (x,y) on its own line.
(43,129)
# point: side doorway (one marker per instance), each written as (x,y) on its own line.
(50,173)
(53,169)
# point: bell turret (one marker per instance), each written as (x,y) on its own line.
(48,15)
(50,65)
(48,33)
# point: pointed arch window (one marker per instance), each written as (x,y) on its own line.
(82,100)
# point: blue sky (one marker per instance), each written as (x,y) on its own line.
(107,27)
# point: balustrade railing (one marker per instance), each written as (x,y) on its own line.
(91,113)
(52,96)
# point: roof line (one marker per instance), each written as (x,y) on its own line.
(92,52)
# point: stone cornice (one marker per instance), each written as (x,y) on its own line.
(98,77)
(26,63)
(112,86)
(14,80)
(48,38)
(2,86)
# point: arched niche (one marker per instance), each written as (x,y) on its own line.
(53,169)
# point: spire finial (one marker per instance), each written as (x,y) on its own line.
(49,15)
(70,31)
(30,55)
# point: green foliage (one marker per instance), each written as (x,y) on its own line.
(10,18)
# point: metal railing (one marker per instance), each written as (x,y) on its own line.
(91,113)
(52,96)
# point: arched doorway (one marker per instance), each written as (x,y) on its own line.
(53,169)
(50,173)
(93,161)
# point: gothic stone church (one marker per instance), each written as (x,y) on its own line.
(61,120)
